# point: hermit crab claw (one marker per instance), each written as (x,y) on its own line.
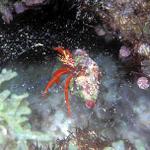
(56,76)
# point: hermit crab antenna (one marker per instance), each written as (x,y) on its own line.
(64,52)
(68,53)
(60,50)
(65,56)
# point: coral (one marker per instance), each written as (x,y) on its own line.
(126,20)
(6,75)
(130,18)
(14,111)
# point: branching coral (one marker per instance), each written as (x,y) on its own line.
(14,111)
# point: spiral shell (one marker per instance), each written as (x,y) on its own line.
(88,83)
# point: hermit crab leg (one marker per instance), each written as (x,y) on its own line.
(55,78)
(66,93)
(58,71)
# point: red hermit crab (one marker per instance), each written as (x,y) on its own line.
(82,70)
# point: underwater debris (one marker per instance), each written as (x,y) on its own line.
(14,126)
(82,71)
(85,139)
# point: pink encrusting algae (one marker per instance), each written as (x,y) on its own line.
(143,83)
(124,52)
